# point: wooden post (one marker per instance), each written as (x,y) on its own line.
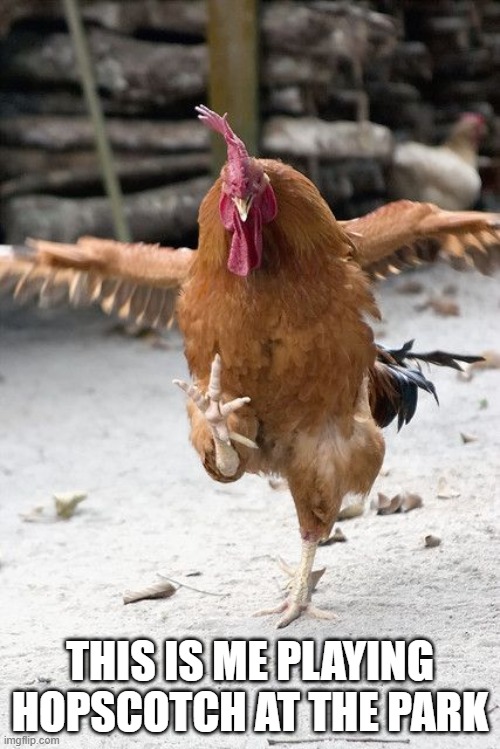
(104,152)
(234,76)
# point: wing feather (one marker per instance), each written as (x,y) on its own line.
(138,282)
(404,233)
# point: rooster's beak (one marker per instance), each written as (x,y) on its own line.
(243,206)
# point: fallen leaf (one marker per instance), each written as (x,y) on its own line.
(432,541)
(129,330)
(466,438)
(442,306)
(350,511)
(135,330)
(490,360)
(410,502)
(35,515)
(67,503)
(385,505)
(444,491)
(336,537)
(190,587)
(450,289)
(483,404)
(410,287)
(161,589)
(402,502)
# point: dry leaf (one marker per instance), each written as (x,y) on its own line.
(442,306)
(190,587)
(410,501)
(67,503)
(432,541)
(336,537)
(410,287)
(350,511)
(35,515)
(129,330)
(387,506)
(403,502)
(444,491)
(161,589)
(466,438)
(135,330)
(44,679)
(491,360)
(445,307)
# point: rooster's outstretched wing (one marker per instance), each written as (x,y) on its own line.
(138,282)
(404,233)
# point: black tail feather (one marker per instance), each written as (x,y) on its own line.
(440,358)
(395,385)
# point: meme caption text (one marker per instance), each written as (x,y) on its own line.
(238,699)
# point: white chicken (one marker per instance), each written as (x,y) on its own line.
(446,175)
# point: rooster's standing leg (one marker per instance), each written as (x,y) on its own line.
(303,583)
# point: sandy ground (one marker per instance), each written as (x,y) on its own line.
(83,408)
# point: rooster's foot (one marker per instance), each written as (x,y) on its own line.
(302,584)
(216,412)
(292,609)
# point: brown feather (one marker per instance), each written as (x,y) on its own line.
(118,276)
(386,234)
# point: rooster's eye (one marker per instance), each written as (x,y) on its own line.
(260,181)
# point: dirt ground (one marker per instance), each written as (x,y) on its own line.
(83,408)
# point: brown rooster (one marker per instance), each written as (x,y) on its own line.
(288,379)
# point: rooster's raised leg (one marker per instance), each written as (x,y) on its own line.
(303,583)
(216,413)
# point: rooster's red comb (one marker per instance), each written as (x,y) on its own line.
(236,149)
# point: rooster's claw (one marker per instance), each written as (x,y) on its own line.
(215,411)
